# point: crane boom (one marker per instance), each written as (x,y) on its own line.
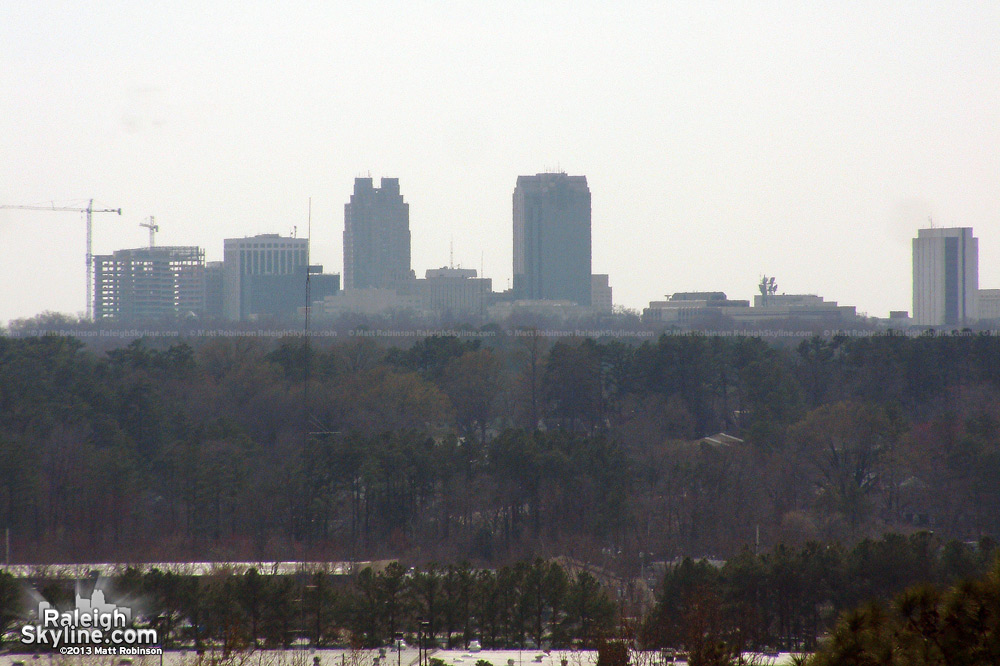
(64,209)
(89,210)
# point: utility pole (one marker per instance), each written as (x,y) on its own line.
(89,210)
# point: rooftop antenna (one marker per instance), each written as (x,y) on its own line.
(451,253)
(305,388)
(308,302)
(930,220)
(150,223)
(768,288)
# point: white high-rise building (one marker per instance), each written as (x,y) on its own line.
(945,277)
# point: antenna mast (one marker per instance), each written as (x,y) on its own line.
(305,389)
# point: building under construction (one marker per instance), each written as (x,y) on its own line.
(149,283)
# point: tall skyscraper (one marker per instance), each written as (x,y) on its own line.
(552,238)
(945,277)
(376,236)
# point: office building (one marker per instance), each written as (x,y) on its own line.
(600,294)
(989,305)
(148,284)
(945,277)
(284,297)
(452,291)
(695,308)
(800,308)
(213,289)
(376,236)
(552,238)
(245,260)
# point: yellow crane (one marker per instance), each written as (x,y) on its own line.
(89,210)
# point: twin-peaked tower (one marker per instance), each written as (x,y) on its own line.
(376,236)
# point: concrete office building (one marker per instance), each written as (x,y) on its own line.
(376,236)
(552,240)
(989,305)
(262,255)
(796,307)
(693,308)
(713,308)
(452,290)
(600,294)
(945,277)
(150,283)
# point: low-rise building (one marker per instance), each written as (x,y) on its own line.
(559,310)
(989,304)
(798,307)
(450,290)
(368,301)
(693,307)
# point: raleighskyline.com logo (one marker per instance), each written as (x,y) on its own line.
(92,624)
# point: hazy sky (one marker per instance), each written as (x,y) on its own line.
(721,140)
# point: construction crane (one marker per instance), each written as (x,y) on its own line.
(150,223)
(89,210)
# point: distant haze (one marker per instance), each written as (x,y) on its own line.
(720,141)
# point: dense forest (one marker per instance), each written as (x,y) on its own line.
(496,448)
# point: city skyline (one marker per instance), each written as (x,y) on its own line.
(809,143)
(538,186)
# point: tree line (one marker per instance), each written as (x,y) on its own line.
(784,599)
(526,603)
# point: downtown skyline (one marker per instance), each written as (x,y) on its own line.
(805,143)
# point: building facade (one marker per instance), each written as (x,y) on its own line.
(945,277)
(452,290)
(148,284)
(552,238)
(246,260)
(283,297)
(376,236)
(989,305)
(694,308)
(213,289)
(600,294)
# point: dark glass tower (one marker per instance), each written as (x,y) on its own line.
(552,238)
